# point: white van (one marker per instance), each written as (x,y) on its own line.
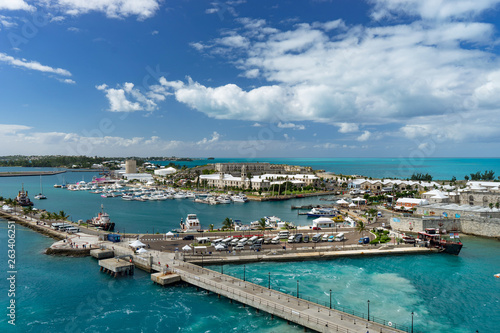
(291,239)
(275,240)
(339,237)
(317,238)
(284,234)
(252,239)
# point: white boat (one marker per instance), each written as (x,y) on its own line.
(190,195)
(239,198)
(127,197)
(180,195)
(224,199)
(322,212)
(40,196)
(191,224)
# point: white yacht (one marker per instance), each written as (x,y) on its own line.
(191,224)
(224,199)
(239,198)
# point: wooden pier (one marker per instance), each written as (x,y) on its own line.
(307,314)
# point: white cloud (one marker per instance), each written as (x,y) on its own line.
(215,138)
(74,29)
(291,125)
(365,136)
(347,127)
(143,9)
(431,9)
(119,98)
(7,22)
(15,5)
(327,145)
(257,125)
(33,65)
(155,32)
(12,129)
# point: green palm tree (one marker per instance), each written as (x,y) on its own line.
(361,228)
(262,224)
(227,224)
(62,215)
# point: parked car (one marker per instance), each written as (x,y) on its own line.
(268,240)
(188,237)
(255,247)
(316,228)
(239,247)
(330,238)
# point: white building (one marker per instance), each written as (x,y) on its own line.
(165,171)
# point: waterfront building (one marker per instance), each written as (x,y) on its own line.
(260,168)
(265,181)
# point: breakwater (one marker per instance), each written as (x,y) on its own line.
(29,173)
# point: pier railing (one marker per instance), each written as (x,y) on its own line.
(291,295)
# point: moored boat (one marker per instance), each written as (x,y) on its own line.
(102,221)
(23,199)
(434,239)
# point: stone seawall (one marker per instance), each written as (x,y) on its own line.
(476,226)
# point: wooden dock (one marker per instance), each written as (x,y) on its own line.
(307,314)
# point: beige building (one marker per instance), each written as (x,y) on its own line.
(130,166)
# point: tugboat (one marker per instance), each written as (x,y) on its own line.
(102,221)
(22,198)
(435,240)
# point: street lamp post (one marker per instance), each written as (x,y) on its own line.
(368,310)
(412,322)
(244,273)
(297,288)
(269,280)
(330,299)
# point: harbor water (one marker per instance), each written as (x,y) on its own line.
(57,294)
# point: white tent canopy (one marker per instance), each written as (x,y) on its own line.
(342,202)
(352,204)
(142,250)
(187,248)
(170,234)
(219,247)
(137,243)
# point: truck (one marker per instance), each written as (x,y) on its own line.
(364,240)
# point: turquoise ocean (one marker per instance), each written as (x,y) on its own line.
(54,294)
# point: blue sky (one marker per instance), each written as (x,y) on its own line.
(249,79)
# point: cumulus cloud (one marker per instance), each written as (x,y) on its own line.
(431,9)
(15,5)
(365,136)
(143,9)
(127,98)
(347,127)
(32,65)
(215,138)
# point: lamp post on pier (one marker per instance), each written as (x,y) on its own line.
(244,277)
(330,299)
(412,322)
(368,310)
(297,288)
(269,280)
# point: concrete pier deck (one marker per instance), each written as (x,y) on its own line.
(307,314)
(117,267)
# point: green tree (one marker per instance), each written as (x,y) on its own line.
(262,224)
(361,227)
(227,224)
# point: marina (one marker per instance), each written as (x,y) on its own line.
(248,258)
